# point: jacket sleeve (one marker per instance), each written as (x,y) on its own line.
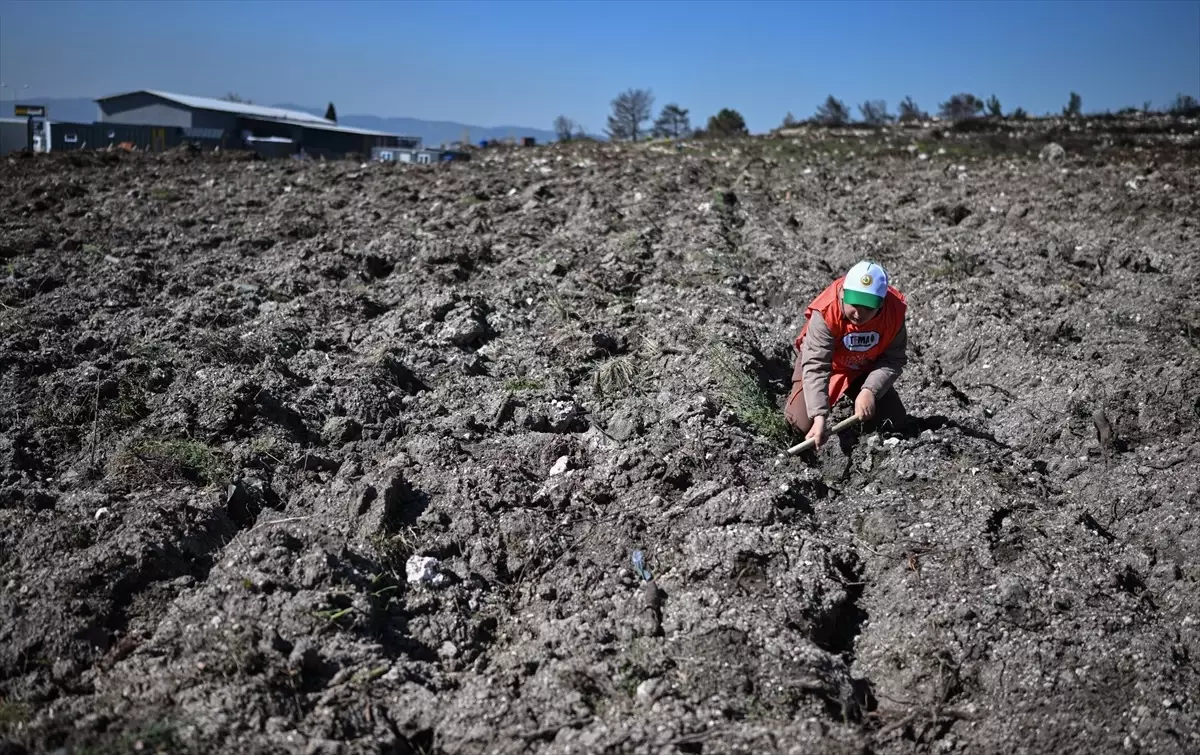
(889,365)
(816,360)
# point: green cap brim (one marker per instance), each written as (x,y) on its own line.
(861,299)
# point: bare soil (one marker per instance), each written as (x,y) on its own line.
(237,396)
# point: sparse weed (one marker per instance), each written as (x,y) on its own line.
(269,448)
(157,737)
(622,301)
(366,676)
(130,405)
(617,375)
(569,308)
(394,550)
(629,676)
(13,713)
(170,460)
(165,195)
(522,384)
(559,307)
(226,348)
(331,615)
(629,240)
(60,410)
(956,265)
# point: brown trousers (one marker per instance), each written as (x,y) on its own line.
(890,414)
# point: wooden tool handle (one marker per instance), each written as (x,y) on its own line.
(853,418)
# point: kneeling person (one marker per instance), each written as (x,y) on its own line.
(853,343)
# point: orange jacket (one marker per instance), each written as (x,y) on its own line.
(856,347)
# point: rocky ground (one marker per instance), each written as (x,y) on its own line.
(343,458)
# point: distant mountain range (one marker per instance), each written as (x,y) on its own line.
(432,133)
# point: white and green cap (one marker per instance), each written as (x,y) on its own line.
(865,285)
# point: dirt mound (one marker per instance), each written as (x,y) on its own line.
(487,456)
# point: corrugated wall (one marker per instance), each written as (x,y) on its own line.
(14,137)
(69,136)
(318,142)
(214,119)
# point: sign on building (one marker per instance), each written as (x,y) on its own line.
(31,111)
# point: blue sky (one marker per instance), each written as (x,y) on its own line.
(523,63)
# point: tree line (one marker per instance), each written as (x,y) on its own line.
(631,118)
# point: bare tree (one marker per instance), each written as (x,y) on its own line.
(564,128)
(672,122)
(235,97)
(630,110)
(993,107)
(1184,104)
(833,113)
(910,112)
(961,106)
(1074,107)
(874,112)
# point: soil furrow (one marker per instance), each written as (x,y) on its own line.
(327,457)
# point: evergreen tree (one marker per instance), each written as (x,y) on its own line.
(726,123)
(833,113)
(1074,107)
(961,106)
(874,112)
(672,122)
(910,112)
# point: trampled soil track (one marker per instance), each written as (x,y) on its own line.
(236,396)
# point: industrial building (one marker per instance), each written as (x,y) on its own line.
(240,125)
(157,120)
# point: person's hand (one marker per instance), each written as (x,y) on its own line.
(817,431)
(864,405)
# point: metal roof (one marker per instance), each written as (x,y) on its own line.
(331,126)
(282,115)
(241,108)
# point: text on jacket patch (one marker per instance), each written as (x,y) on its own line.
(860,341)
